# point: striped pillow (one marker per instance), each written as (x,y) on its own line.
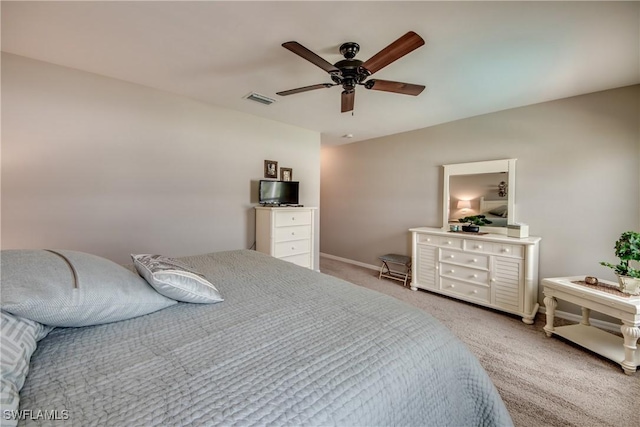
(176,280)
(18,338)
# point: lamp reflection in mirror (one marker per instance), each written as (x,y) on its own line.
(464,204)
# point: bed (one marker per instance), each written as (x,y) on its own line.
(287,346)
(495,211)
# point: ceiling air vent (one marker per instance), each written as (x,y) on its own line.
(260,98)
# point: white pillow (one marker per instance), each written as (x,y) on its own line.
(18,338)
(176,280)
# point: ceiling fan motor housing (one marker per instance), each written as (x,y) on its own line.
(350,73)
(349,49)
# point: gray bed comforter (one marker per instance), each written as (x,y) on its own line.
(288,346)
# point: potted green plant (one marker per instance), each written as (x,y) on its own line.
(474,222)
(627,249)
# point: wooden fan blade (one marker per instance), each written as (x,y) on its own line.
(395,87)
(304,89)
(305,53)
(396,50)
(348,99)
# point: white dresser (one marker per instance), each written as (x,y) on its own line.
(286,233)
(492,270)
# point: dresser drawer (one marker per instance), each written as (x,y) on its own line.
(464,273)
(444,241)
(466,290)
(465,258)
(288,218)
(303,260)
(293,247)
(427,239)
(516,251)
(451,242)
(478,246)
(297,232)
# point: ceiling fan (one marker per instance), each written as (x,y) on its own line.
(350,72)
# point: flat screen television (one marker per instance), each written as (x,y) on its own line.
(278,192)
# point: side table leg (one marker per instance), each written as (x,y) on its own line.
(551,304)
(586,312)
(631,333)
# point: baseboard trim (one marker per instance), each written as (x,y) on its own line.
(350,261)
(607,326)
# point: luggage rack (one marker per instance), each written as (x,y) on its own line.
(403,276)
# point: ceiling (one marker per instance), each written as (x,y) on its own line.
(479,57)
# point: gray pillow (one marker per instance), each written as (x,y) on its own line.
(18,338)
(499,211)
(68,288)
(175,279)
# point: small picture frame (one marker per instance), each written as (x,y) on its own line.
(286,174)
(271,169)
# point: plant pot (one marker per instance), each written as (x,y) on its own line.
(629,285)
(471,228)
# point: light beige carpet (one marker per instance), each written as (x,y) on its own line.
(543,381)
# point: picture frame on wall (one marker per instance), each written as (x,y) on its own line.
(286,174)
(271,169)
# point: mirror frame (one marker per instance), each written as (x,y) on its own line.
(491,166)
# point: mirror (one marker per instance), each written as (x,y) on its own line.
(480,188)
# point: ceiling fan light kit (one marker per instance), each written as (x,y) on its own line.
(351,72)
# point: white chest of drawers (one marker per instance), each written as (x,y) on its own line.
(490,270)
(286,233)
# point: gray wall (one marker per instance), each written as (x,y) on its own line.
(99,165)
(577,180)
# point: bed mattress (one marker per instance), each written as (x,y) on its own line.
(288,346)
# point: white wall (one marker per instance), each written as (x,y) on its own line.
(99,165)
(577,180)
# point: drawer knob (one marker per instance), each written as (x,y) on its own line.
(452,286)
(293,248)
(451,256)
(474,291)
(475,276)
(293,233)
(493,280)
(474,260)
(293,218)
(505,250)
(478,246)
(448,242)
(452,271)
(428,240)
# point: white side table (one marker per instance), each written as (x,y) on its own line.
(627,309)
